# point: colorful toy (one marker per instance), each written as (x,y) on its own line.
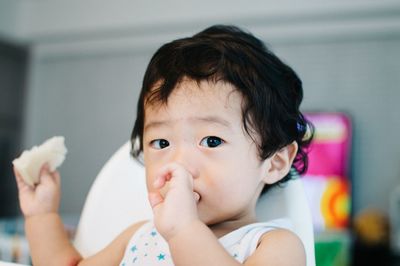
(327,179)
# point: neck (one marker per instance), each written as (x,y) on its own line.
(246,217)
(221,229)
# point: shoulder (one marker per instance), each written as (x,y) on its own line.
(278,247)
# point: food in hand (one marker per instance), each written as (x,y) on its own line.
(52,152)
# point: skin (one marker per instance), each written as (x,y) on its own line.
(197,157)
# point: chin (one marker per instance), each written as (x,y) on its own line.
(210,220)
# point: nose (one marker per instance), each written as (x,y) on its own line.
(187,156)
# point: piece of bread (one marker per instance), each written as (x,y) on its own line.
(52,151)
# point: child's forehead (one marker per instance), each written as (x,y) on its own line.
(190,94)
(197,105)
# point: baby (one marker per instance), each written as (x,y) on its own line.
(218,124)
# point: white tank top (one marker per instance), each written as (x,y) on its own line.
(147,247)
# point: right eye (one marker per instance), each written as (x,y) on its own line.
(159,144)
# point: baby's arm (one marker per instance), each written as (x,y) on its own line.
(278,247)
(44,229)
(48,240)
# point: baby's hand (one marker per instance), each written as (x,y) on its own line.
(178,207)
(42,198)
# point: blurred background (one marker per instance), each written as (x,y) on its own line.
(74,68)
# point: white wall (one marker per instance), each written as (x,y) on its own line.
(89,58)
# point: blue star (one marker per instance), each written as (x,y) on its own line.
(134,248)
(153,233)
(161,256)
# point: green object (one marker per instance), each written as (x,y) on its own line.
(332,250)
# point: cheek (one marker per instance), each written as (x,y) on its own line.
(151,168)
(218,185)
(149,181)
(234,181)
(151,172)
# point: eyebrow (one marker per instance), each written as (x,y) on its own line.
(206,119)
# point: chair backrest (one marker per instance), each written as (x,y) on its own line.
(118,198)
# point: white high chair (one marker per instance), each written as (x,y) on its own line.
(118,198)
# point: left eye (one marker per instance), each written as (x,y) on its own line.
(211,141)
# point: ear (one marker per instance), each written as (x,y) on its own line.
(279,164)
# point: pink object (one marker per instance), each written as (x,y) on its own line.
(329,152)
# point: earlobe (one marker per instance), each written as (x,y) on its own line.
(279,164)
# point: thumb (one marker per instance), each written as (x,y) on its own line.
(44,175)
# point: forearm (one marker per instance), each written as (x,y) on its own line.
(196,245)
(48,241)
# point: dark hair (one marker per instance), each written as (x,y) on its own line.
(272,91)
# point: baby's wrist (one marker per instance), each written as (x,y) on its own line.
(41,215)
(189,228)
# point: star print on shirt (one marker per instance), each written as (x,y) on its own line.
(134,248)
(161,256)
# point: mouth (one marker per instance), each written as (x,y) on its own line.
(196,196)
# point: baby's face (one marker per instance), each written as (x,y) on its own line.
(201,128)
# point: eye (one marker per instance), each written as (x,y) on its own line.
(211,141)
(159,143)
